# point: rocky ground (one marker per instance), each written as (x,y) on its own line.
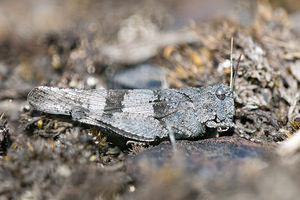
(111,44)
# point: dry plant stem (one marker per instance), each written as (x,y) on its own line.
(290,146)
(231,66)
(235,72)
(293,105)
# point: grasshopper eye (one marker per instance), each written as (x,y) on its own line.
(220,93)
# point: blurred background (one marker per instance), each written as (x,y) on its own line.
(39,40)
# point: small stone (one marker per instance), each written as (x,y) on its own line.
(145,76)
(25,108)
(206,158)
(131,188)
(64,170)
(91,82)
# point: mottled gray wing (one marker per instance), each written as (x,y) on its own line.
(134,114)
(62,101)
(155,103)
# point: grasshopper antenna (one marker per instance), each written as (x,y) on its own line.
(231,65)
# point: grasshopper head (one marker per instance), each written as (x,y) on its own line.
(215,108)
